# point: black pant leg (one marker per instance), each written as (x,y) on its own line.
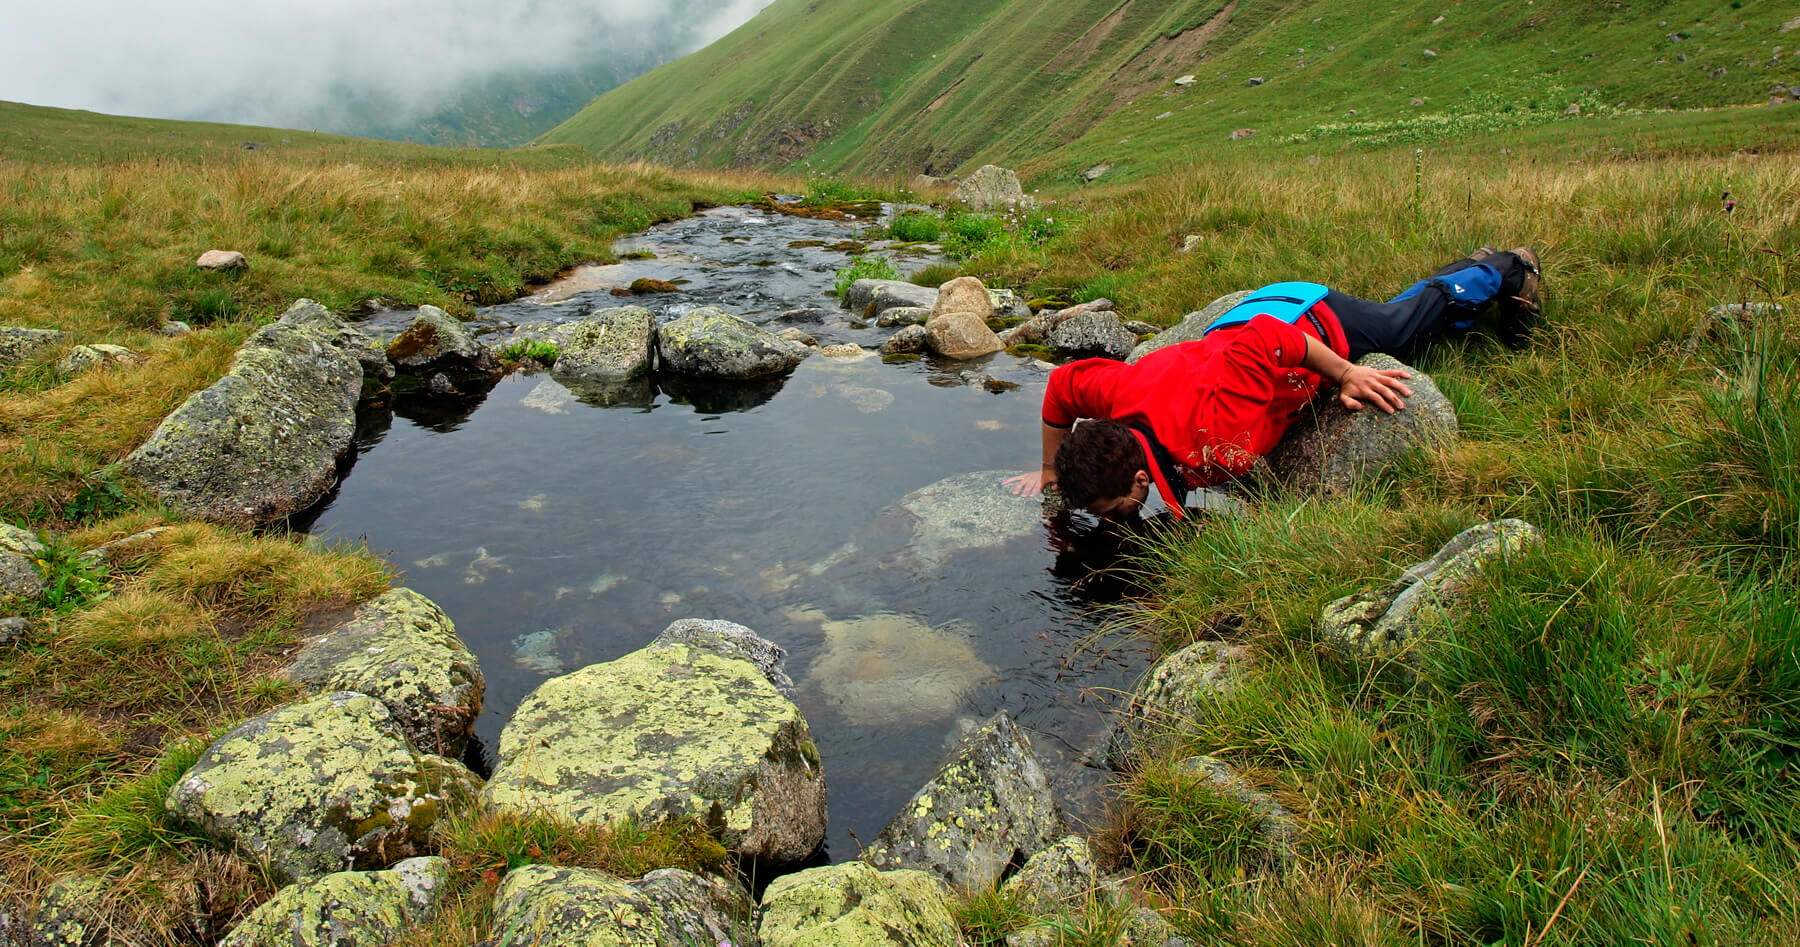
(1398,329)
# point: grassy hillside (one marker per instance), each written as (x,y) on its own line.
(899,86)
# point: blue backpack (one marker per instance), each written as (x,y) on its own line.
(1289,302)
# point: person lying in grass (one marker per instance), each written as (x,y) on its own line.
(1201,412)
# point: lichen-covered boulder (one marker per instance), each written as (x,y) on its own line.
(77,911)
(1007,305)
(1173,697)
(728,639)
(990,188)
(1098,333)
(711,343)
(988,808)
(1036,329)
(872,297)
(689,726)
(908,341)
(1389,620)
(963,294)
(401,649)
(436,342)
(610,345)
(1061,874)
(264,441)
(902,316)
(1278,832)
(961,335)
(321,786)
(1064,881)
(347,908)
(18,343)
(1331,450)
(83,358)
(366,349)
(19,552)
(1192,326)
(546,906)
(854,905)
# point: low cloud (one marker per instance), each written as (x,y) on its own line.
(278,62)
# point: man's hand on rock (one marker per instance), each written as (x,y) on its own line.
(1384,388)
(1029,484)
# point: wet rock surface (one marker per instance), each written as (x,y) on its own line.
(264,441)
(960,335)
(989,808)
(711,343)
(908,341)
(546,906)
(436,341)
(872,297)
(401,649)
(347,908)
(320,786)
(1390,620)
(854,905)
(1331,450)
(690,726)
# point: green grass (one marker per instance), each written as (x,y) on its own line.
(863,266)
(530,350)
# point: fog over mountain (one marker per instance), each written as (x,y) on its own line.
(453,70)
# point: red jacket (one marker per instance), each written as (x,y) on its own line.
(1215,404)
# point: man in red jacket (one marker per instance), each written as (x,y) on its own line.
(1201,412)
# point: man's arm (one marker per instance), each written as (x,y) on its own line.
(1030,484)
(1358,384)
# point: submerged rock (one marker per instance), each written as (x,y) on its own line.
(1192,326)
(989,808)
(712,343)
(1389,620)
(547,906)
(347,908)
(19,551)
(320,786)
(964,512)
(855,905)
(991,188)
(690,726)
(610,345)
(83,358)
(1331,450)
(436,341)
(872,297)
(891,669)
(401,649)
(264,441)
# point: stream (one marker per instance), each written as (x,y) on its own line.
(851,512)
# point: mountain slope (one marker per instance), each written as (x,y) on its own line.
(899,86)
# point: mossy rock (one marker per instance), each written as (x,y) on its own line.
(711,343)
(320,786)
(347,907)
(854,905)
(436,341)
(609,346)
(548,906)
(644,286)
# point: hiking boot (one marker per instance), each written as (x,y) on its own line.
(1519,310)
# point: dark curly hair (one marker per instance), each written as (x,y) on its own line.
(1097,459)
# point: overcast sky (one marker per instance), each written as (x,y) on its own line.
(256,61)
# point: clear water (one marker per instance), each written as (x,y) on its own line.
(558,533)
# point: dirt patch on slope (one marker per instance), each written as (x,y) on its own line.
(1078,52)
(1169,56)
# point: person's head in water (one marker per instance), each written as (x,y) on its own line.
(1101,467)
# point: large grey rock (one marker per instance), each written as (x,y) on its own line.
(1277,831)
(966,512)
(1331,450)
(988,808)
(76,911)
(18,343)
(1174,697)
(19,551)
(401,649)
(264,441)
(711,343)
(690,726)
(872,297)
(436,342)
(1035,330)
(730,640)
(347,908)
(961,335)
(1389,620)
(547,906)
(368,350)
(991,188)
(1093,334)
(321,786)
(84,358)
(610,345)
(1192,326)
(854,905)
